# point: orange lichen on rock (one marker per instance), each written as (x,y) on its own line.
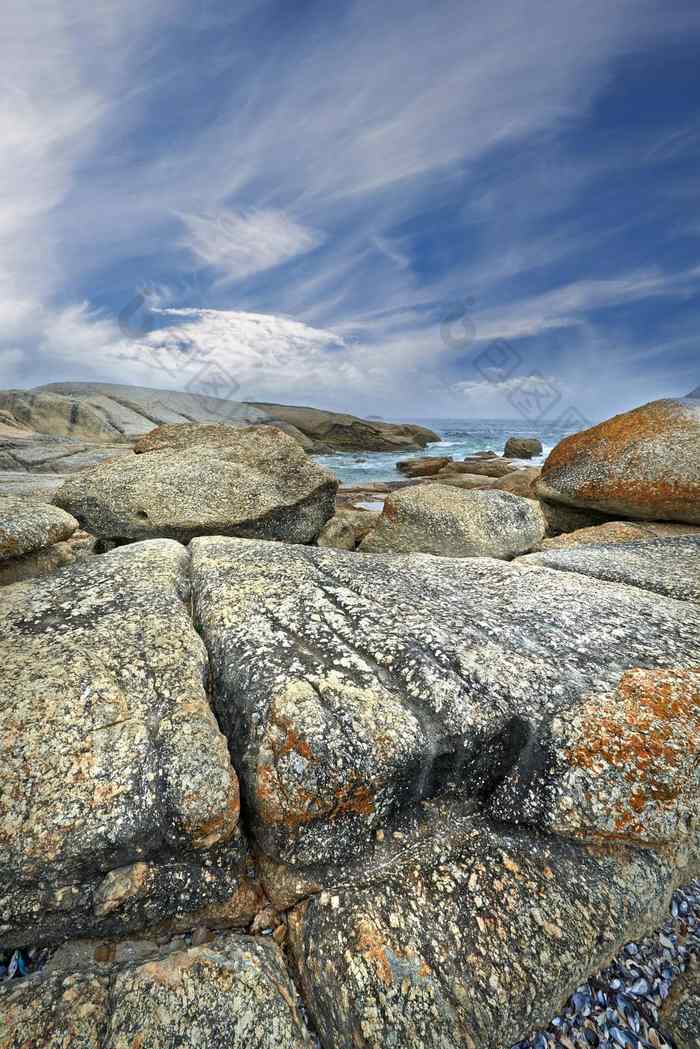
(649,739)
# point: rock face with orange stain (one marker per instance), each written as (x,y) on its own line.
(624,766)
(118,802)
(233,993)
(350,687)
(668,566)
(641,464)
(461,933)
(620,532)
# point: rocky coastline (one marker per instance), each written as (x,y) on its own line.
(279,769)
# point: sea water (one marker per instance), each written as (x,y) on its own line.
(460,438)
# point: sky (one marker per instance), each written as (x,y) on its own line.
(407,209)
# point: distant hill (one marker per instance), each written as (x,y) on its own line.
(695,393)
(114,412)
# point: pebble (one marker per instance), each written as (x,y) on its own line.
(619,1007)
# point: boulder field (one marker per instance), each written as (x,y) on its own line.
(401,763)
(394,779)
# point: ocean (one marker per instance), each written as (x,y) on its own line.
(460,438)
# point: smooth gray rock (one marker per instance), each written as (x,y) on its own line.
(663,566)
(134,410)
(438,519)
(118,802)
(26,527)
(461,934)
(350,687)
(261,484)
(643,464)
(233,993)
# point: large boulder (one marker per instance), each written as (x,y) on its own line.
(233,993)
(455,933)
(259,484)
(669,566)
(467,482)
(26,526)
(338,431)
(522,447)
(643,464)
(362,685)
(118,802)
(437,519)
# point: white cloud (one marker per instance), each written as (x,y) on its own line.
(239,243)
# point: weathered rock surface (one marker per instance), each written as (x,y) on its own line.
(233,993)
(339,431)
(437,519)
(622,767)
(477,465)
(118,802)
(619,532)
(643,464)
(348,528)
(680,1014)
(425,467)
(260,484)
(663,566)
(522,447)
(26,527)
(520,482)
(356,686)
(460,934)
(179,436)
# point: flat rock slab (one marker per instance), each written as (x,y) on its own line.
(26,527)
(232,993)
(118,802)
(459,934)
(260,485)
(350,687)
(663,566)
(35,488)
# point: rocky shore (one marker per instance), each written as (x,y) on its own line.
(278,770)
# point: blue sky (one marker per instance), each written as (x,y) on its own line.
(395,208)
